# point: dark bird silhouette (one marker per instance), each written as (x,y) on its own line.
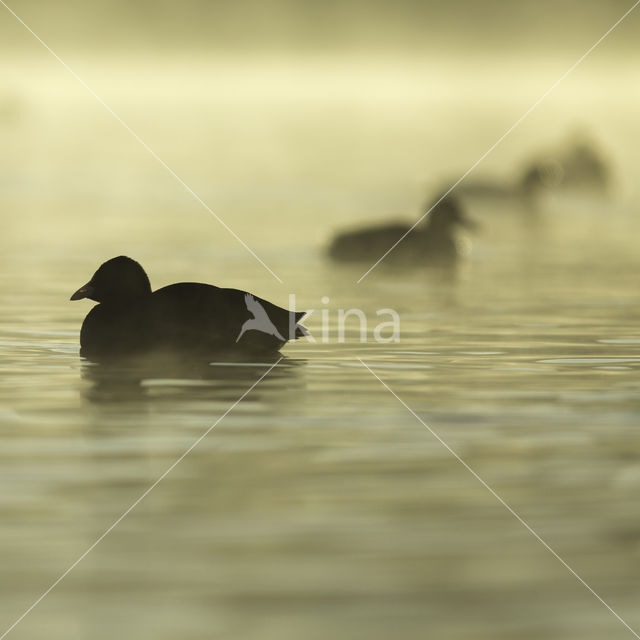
(185,319)
(432,242)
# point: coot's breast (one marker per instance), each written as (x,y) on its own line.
(114,331)
(440,248)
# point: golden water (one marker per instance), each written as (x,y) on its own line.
(319,506)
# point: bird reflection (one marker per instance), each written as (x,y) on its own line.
(156,376)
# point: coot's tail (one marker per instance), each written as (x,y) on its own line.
(300,331)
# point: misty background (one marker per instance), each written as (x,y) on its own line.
(318,114)
(295,26)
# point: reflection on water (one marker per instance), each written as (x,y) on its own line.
(318,507)
(154,377)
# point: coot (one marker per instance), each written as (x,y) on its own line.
(188,318)
(580,167)
(432,242)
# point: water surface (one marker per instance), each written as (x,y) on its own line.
(319,506)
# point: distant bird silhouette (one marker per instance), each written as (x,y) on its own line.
(575,166)
(260,320)
(579,167)
(185,319)
(432,242)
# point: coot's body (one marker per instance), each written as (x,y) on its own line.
(187,318)
(416,247)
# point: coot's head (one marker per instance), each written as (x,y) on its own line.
(119,280)
(447,214)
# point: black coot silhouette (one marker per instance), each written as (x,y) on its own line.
(188,318)
(432,242)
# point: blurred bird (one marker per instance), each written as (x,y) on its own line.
(577,166)
(431,242)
